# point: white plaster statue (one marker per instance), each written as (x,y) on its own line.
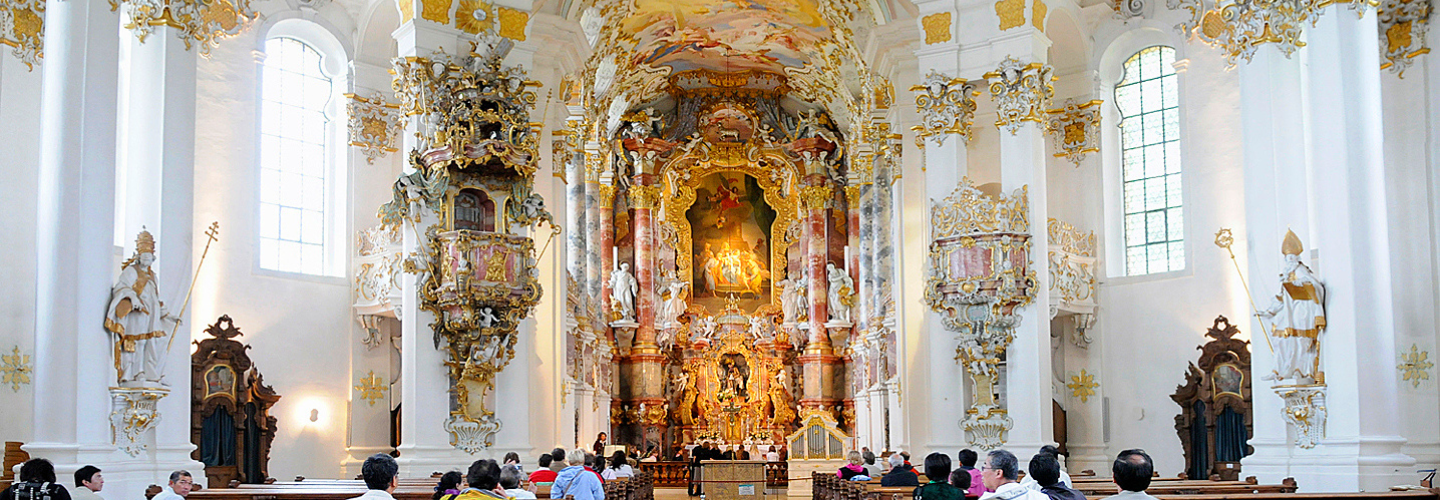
(842,288)
(623,288)
(487,317)
(707,327)
(138,319)
(808,124)
(675,306)
(1297,318)
(644,161)
(792,300)
(759,328)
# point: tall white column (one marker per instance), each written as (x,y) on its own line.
(1028,365)
(1317,168)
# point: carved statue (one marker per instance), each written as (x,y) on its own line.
(842,292)
(707,327)
(675,306)
(792,301)
(808,124)
(138,319)
(487,317)
(759,327)
(623,288)
(1297,318)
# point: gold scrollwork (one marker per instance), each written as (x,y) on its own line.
(26,28)
(1075,129)
(644,196)
(968,211)
(1021,92)
(512,23)
(1403,28)
(946,106)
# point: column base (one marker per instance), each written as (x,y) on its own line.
(1370,464)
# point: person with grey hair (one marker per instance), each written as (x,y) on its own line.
(381,475)
(1001,474)
(576,481)
(510,476)
(180,484)
(900,474)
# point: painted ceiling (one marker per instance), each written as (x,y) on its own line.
(725,35)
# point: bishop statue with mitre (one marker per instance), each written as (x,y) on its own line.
(1297,318)
(138,319)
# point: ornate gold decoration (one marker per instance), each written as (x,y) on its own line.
(606,195)
(1403,26)
(735,388)
(474,16)
(1239,27)
(448,87)
(946,106)
(133,412)
(1069,239)
(937,27)
(374,125)
(204,21)
(978,274)
(1021,92)
(372,388)
(1072,269)
(772,169)
(1037,13)
(816,197)
(22,27)
(512,23)
(1011,12)
(16,369)
(1415,366)
(643,196)
(1305,412)
(435,10)
(1082,386)
(1075,129)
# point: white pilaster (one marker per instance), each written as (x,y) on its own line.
(1028,361)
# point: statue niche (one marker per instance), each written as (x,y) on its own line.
(1215,417)
(230,422)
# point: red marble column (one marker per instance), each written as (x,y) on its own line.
(644,196)
(818,361)
(606,228)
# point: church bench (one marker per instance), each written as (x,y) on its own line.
(1196,488)
(1430,494)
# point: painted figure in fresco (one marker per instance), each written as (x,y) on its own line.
(138,319)
(1297,318)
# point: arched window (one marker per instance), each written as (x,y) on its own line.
(297,159)
(1150,163)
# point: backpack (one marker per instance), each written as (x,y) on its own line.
(31,490)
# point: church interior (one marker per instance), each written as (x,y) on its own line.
(449,230)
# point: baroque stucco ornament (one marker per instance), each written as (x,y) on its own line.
(1021,92)
(374,125)
(1074,128)
(1403,27)
(133,412)
(22,26)
(1239,27)
(206,22)
(946,106)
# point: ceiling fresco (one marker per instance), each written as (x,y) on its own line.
(725,35)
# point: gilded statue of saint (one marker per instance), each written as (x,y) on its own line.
(138,320)
(1297,318)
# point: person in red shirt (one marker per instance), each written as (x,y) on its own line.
(546,473)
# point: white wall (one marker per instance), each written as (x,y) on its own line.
(20,126)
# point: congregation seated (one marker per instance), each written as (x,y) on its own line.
(618,468)
(1045,471)
(1029,481)
(937,470)
(902,474)
(576,480)
(513,458)
(1132,472)
(482,482)
(1001,475)
(871,469)
(550,465)
(510,482)
(449,485)
(851,469)
(975,487)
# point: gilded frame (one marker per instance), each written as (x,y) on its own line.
(677,198)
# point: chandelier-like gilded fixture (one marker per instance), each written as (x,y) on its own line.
(1239,27)
(203,21)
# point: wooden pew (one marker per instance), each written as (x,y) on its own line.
(640,487)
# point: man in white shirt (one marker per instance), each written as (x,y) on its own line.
(179,487)
(1001,473)
(381,475)
(1029,481)
(88,482)
(1132,472)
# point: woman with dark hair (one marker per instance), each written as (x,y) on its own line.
(937,470)
(600,445)
(449,485)
(513,458)
(617,468)
(36,482)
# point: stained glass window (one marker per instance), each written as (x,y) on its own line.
(1150,163)
(294,157)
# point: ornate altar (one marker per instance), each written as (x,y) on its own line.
(1214,423)
(733,390)
(230,422)
(471,205)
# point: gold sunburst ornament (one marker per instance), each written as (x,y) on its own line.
(15,369)
(1082,386)
(372,388)
(1415,366)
